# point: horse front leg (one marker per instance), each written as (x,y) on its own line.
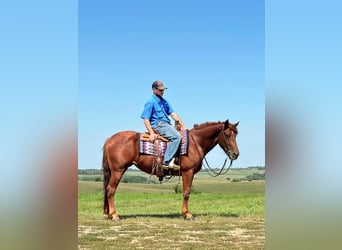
(187,178)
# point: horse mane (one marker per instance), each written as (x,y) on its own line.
(205,124)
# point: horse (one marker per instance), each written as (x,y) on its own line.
(120,151)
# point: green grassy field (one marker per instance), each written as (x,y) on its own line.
(228,215)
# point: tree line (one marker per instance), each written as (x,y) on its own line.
(99,171)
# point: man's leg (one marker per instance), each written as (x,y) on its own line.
(169,132)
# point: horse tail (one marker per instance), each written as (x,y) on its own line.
(106,178)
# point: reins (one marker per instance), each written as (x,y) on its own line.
(214,173)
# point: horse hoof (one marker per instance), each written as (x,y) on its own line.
(189,217)
(115,219)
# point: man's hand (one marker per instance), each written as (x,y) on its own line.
(152,137)
(184,127)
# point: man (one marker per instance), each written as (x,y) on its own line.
(156,119)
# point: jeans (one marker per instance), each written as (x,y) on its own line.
(168,131)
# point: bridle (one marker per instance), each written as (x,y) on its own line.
(214,173)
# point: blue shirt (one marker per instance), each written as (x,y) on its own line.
(157,109)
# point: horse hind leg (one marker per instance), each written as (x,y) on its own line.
(110,190)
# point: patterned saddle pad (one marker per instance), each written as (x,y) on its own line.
(149,148)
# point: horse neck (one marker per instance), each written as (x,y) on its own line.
(207,137)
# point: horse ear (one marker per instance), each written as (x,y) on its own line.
(236,124)
(226,124)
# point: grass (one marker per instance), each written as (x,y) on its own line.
(227,216)
(165,204)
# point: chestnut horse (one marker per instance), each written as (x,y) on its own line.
(121,151)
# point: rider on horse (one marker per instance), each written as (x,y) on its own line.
(156,119)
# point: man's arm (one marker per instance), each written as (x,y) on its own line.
(149,129)
(178,119)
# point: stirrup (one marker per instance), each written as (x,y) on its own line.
(166,167)
(175,167)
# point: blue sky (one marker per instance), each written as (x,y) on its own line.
(210,55)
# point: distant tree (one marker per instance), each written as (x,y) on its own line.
(90,171)
(136,179)
(178,189)
(256,176)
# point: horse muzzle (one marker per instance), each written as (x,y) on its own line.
(233,155)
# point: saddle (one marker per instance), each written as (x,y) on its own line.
(146,137)
(158,148)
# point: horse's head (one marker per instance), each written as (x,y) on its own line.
(227,140)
